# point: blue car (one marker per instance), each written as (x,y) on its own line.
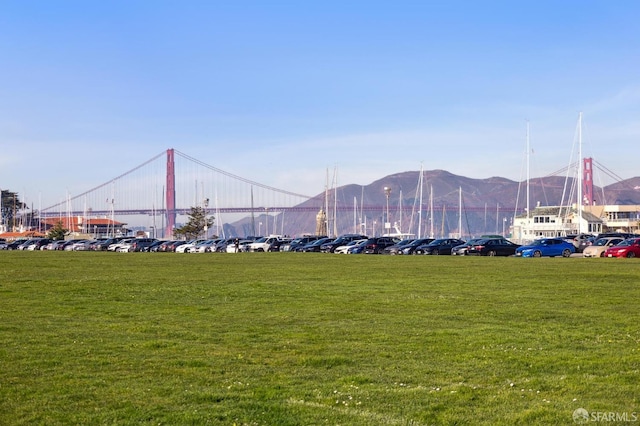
(550,247)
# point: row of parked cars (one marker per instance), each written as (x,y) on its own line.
(605,245)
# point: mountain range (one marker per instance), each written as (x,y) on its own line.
(486,204)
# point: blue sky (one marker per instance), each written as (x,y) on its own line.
(279,92)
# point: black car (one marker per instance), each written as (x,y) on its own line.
(378,244)
(14,245)
(277,244)
(314,246)
(298,243)
(397,247)
(439,246)
(411,247)
(153,248)
(493,247)
(342,240)
(463,249)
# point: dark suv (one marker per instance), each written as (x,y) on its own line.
(439,246)
(378,244)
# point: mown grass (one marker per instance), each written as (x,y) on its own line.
(299,339)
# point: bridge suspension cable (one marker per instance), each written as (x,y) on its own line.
(251,182)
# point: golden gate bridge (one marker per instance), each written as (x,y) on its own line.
(171,183)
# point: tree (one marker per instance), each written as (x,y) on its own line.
(196,225)
(10,205)
(57,232)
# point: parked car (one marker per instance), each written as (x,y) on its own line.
(14,244)
(56,245)
(24,244)
(357,248)
(395,248)
(206,246)
(173,245)
(299,242)
(37,243)
(411,247)
(439,246)
(68,244)
(378,244)
(82,245)
(242,246)
(117,246)
(493,247)
(275,246)
(3,245)
(220,244)
(314,246)
(462,249)
(330,247)
(263,244)
(153,247)
(579,240)
(627,248)
(102,244)
(550,247)
(184,248)
(598,248)
(139,244)
(583,244)
(124,246)
(345,248)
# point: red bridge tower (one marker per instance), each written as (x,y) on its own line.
(171,195)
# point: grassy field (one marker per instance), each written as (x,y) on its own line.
(302,339)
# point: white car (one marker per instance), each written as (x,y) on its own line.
(184,248)
(125,247)
(203,247)
(122,243)
(598,248)
(242,246)
(344,249)
(81,245)
(264,243)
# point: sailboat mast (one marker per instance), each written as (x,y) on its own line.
(431,210)
(335,202)
(355,215)
(460,214)
(326,201)
(363,218)
(528,171)
(253,217)
(400,210)
(579,174)
(420,205)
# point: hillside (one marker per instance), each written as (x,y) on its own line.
(487,204)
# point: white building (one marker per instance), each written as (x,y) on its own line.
(618,218)
(546,222)
(561,221)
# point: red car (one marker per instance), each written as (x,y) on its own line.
(627,248)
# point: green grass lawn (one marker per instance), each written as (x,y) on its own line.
(307,339)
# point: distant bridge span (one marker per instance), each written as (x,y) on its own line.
(159,188)
(265,210)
